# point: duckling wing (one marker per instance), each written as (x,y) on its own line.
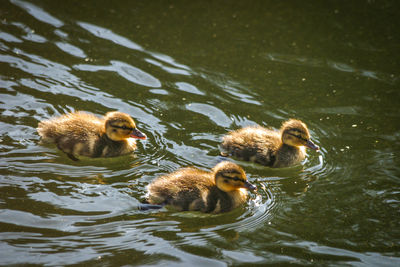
(74,133)
(218,201)
(254,143)
(77,125)
(186,189)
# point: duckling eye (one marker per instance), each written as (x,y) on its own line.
(124,127)
(302,138)
(299,137)
(236,179)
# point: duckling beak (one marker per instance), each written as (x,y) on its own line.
(249,186)
(138,134)
(311,145)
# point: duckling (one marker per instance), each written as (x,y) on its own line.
(191,189)
(267,147)
(84,134)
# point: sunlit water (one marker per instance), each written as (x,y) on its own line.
(188,74)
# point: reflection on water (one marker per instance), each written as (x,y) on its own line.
(187,84)
(320,63)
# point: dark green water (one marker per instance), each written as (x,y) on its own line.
(188,72)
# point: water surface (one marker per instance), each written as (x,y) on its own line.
(188,72)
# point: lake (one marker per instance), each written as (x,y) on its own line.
(188,72)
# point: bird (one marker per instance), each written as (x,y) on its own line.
(275,149)
(84,134)
(192,189)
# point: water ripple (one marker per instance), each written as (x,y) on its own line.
(71,49)
(340,66)
(38,13)
(30,33)
(260,212)
(213,113)
(9,38)
(127,71)
(109,35)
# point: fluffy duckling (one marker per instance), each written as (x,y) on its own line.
(267,147)
(191,189)
(83,134)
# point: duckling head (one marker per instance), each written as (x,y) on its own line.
(120,126)
(295,133)
(230,177)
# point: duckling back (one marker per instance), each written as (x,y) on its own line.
(77,126)
(253,143)
(74,133)
(191,189)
